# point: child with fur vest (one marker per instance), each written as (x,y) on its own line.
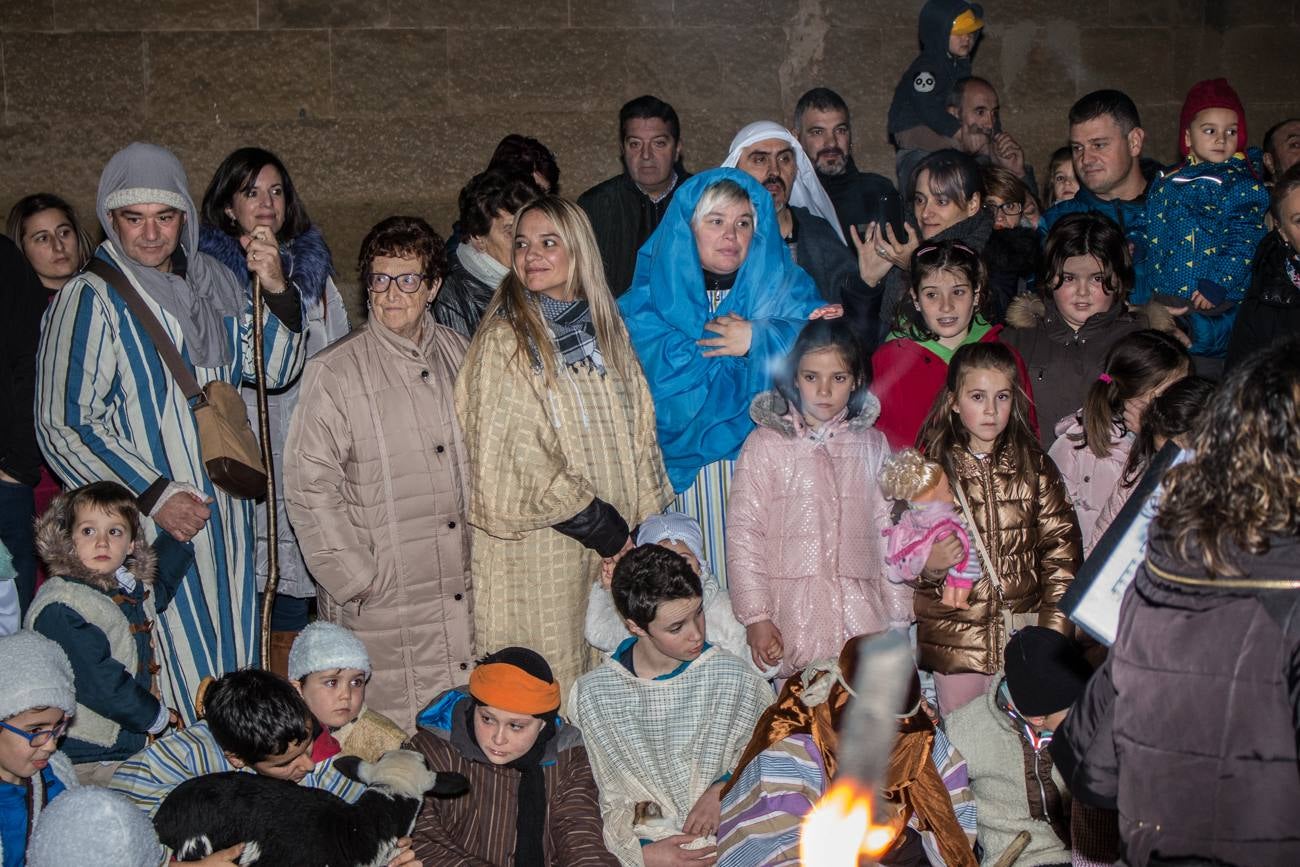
(805,558)
(100,603)
(330,668)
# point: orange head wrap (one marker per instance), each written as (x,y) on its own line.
(510,688)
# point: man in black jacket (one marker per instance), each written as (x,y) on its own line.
(626,209)
(22,302)
(821,122)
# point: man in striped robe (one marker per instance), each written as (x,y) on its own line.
(108,408)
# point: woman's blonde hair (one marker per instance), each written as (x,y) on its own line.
(907,475)
(586,280)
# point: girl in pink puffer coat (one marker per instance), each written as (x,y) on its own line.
(805,559)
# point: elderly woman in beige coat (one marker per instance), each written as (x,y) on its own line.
(376,474)
(561,431)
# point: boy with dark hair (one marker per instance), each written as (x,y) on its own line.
(663,694)
(253,721)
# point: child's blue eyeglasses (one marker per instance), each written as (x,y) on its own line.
(38,738)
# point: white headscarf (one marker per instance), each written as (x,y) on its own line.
(807,191)
(674,527)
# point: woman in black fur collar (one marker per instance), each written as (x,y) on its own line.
(255,224)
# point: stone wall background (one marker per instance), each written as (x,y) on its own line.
(387,106)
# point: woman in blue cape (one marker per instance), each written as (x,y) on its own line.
(716,303)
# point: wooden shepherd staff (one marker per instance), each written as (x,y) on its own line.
(268,461)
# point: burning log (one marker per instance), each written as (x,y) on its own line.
(848,822)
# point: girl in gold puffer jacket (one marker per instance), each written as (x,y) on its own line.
(1014,501)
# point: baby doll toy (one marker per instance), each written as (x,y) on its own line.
(930,516)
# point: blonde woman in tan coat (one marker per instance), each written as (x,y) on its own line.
(561,433)
(376,474)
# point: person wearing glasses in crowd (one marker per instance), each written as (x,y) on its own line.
(36,700)
(1013,252)
(375,478)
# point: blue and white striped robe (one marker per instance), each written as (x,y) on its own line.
(108,409)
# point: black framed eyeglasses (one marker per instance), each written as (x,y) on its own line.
(378,284)
(38,738)
(1010,209)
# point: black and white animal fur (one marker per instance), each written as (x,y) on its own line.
(287,825)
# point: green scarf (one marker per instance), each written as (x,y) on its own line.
(978,328)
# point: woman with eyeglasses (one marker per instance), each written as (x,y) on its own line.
(1013,251)
(376,478)
(256,225)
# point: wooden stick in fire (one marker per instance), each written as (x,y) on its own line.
(884,674)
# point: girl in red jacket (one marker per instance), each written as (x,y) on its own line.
(942,311)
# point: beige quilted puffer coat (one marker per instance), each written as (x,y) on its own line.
(375,482)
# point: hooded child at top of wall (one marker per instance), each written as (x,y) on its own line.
(1206,217)
(921,96)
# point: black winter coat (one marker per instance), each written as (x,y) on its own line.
(1190,726)
(22,303)
(1271,309)
(623,218)
(921,97)
(860,197)
(820,252)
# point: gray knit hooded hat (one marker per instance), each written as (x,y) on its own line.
(94,827)
(34,672)
(143,174)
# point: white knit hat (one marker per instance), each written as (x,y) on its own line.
(324,646)
(94,827)
(34,672)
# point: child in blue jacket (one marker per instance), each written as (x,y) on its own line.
(1205,218)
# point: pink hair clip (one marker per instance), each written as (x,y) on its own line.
(1105,377)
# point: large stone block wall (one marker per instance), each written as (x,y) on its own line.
(388,106)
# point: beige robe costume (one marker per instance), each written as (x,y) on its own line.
(538,456)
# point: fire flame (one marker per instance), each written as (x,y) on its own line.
(841,828)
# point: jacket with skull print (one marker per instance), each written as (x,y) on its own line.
(921,97)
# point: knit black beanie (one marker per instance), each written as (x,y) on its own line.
(1046,672)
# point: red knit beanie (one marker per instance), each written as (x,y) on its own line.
(1211,93)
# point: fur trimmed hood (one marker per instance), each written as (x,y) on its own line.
(306,260)
(1030,311)
(55,548)
(771,410)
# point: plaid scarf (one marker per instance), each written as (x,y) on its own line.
(572,333)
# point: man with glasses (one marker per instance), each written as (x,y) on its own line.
(376,478)
(109,408)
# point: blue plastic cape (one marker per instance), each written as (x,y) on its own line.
(702,404)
